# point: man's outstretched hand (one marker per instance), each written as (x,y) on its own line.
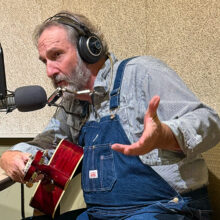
(155,134)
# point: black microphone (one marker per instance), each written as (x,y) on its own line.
(3,87)
(25,99)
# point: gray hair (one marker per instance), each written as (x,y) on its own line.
(72,31)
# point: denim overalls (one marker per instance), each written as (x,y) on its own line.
(117,186)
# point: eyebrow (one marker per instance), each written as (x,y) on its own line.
(49,51)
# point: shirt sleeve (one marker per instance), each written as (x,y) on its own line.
(195,125)
(47,140)
(58,128)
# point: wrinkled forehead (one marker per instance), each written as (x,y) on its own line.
(53,35)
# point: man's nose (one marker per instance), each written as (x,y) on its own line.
(51,69)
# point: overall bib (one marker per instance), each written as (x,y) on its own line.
(117,186)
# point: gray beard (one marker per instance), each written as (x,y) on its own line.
(77,80)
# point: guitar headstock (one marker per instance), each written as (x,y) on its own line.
(31,169)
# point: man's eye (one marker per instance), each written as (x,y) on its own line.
(57,54)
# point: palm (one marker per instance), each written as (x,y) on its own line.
(152,128)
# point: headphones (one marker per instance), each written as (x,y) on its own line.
(89,45)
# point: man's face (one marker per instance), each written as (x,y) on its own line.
(63,65)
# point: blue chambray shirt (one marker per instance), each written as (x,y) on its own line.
(195,126)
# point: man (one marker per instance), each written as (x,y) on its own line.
(141,128)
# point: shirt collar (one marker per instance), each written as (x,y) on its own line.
(104,74)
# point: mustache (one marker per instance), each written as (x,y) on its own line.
(57,78)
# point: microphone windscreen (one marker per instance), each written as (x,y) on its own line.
(30,98)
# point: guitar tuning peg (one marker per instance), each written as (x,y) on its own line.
(41,161)
(29,184)
(33,177)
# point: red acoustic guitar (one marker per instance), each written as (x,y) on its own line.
(57,175)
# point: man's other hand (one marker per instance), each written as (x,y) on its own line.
(13,163)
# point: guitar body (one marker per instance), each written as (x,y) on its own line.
(58,173)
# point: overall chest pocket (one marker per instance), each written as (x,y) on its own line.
(98,170)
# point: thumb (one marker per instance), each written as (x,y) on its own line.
(152,107)
(25,157)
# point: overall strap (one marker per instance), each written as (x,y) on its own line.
(115,93)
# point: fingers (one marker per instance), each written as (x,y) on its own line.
(25,157)
(131,150)
(17,176)
(120,148)
(17,172)
(153,105)
(151,113)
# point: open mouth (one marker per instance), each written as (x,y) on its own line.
(61,83)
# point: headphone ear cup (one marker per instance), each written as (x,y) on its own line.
(90,48)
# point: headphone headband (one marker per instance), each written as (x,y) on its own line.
(70,20)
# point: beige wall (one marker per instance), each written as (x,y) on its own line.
(185,34)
